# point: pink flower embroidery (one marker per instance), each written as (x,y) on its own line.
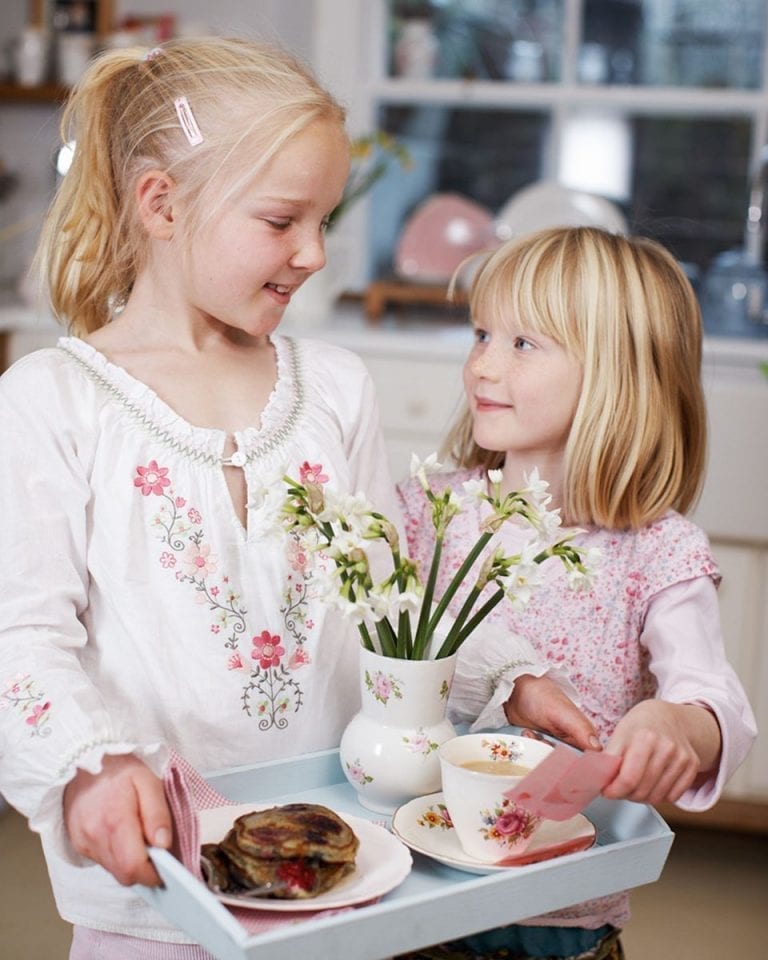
(152,479)
(37,714)
(167,560)
(180,501)
(312,473)
(198,560)
(235,662)
(194,515)
(267,650)
(299,658)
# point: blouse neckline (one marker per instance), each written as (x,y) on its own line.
(202,444)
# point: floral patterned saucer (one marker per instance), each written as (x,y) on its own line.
(424,825)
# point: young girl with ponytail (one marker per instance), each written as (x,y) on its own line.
(138,609)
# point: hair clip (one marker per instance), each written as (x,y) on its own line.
(153,54)
(187,121)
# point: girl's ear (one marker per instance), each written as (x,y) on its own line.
(154,196)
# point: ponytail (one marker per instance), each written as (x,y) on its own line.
(83,247)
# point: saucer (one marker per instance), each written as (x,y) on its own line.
(425,826)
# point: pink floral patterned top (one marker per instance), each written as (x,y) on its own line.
(137,613)
(649,627)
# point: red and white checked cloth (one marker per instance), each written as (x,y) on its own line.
(187,793)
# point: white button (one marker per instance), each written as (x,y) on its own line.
(238,459)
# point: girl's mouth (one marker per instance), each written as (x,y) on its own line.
(281,292)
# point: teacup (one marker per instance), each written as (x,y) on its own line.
(476,771)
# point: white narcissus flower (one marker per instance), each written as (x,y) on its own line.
(548,523)
(344,542)
(420,468)
(265,521)
(474,489)
(409,601)
(537,489)
(379,604)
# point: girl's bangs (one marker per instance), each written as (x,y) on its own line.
(520,291)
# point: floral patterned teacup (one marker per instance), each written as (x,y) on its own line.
(476,770)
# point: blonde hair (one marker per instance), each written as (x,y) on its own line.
(624,308)
(248,99)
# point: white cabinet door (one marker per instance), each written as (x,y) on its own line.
(419,400)
(744,615)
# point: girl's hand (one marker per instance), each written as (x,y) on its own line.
(539,703)
(664,747)
(113,815)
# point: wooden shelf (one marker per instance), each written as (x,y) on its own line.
(53,93)
(383,292)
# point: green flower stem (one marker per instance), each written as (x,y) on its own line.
(404,636)
(446,650)
(365,637)
(457,581)
(422,628)
(387,638)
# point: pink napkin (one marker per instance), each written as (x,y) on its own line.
(562,785)
(188,792)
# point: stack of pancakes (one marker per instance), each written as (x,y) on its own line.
(290,852)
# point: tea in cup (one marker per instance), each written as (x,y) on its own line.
(476,771)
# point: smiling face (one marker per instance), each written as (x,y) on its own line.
(245,262)
(522,389)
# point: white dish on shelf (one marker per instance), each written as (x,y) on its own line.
(549,204)
(381,864)
(425,826)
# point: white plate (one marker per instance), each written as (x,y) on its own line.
(382,863)
(549,204)
(424,825)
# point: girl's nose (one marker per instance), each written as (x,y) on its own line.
(484,364)
(310,253)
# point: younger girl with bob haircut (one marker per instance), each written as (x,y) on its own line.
(586,365)
(139,610)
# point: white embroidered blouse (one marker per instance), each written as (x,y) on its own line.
(136,611)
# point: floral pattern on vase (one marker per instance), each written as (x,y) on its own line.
(389,750)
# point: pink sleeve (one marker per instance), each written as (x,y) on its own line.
(683,635)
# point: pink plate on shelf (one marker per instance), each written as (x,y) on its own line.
(441,233)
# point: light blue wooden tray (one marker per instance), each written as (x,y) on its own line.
(435,902)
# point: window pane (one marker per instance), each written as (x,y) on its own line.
(689,184)
(485,155)
(476,39)
(693,43)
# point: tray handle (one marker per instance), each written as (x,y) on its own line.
(193,908)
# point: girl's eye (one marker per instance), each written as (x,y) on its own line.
(521,343)
(481,336)
(325,224)
(278,224)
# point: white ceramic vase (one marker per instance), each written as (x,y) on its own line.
(389,749)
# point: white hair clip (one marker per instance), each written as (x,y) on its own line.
(153,54)
(187,121)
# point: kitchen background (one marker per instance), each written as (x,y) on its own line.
(645,115)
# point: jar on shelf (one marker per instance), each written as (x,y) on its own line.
(30,57)
(416,50)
